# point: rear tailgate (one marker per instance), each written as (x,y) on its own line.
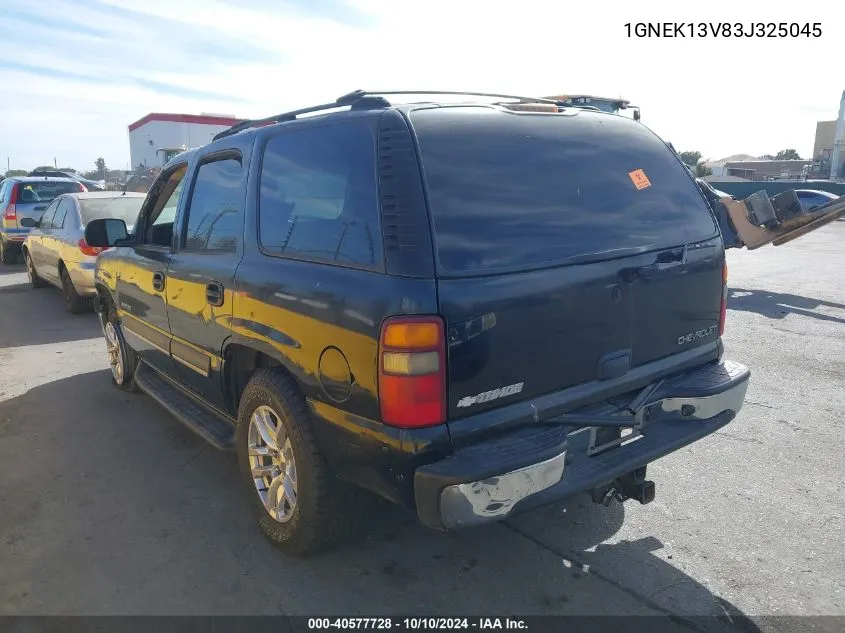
(569,249)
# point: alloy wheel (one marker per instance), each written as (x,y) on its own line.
(115,352)
(272,464)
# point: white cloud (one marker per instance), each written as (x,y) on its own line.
(76,74)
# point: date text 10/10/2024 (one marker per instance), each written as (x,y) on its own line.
(417,624)
(723,29)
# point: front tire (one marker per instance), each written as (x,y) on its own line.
(34,279)
(300,506)
(73,302)
(122,359)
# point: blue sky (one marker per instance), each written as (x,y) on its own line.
(76,73)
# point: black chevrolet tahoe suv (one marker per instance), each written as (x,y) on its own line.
(470,309)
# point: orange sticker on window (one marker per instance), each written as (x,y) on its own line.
(639,179)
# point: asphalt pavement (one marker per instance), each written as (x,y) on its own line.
(110,506)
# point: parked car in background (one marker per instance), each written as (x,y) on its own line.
(26,197)
(387,297)
(55,251)
(812,198)
(91,185)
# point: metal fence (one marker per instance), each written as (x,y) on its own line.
(742,190)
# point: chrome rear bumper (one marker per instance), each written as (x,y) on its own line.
(552,460)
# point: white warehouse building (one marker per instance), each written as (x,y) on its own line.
(160,130)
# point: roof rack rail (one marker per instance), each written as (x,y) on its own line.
(357,94)
(372,98)
(293,114)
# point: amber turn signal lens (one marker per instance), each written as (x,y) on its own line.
(411,335)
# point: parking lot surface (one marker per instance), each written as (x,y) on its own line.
(109,506)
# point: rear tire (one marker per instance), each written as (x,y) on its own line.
(323,508)
(8,254)
(73,302)
(34,279)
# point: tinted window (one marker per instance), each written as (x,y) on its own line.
(45,191)
(215,214)
(318,195)
(512,191)
(47,217)
(61,213)
(124,208)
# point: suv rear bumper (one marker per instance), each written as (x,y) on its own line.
(547,462)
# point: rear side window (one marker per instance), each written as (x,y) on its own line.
(45,222)
(514,191)
(216,208)
(58,221)
(318,196)
(124,208)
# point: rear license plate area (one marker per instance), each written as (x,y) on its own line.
(602,438)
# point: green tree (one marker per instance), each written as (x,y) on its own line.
(767,157)
(701,171)
(16,172)
(69,170)
(690,158)
(787,154)
(101,167)
(44,168)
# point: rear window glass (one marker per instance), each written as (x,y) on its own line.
(515,191)
(121,208)
(45,191)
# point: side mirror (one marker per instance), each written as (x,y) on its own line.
(105,233)
(28,223)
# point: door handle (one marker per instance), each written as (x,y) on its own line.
(214,293)
(158,281)
(665,260)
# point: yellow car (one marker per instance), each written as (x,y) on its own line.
(55,250)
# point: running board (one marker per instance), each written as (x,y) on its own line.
(212,427)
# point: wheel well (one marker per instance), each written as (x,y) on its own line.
(240,363)
(103,301)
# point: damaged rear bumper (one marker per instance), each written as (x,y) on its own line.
(560,457)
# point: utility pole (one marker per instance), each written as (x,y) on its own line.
(55,163)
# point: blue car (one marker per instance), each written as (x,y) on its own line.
(26,197)
(812,198)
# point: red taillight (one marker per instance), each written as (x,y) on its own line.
(89,250)
(82,188)
(724,307)
(11,212)
(412,371)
